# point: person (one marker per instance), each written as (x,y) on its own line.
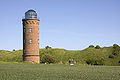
(71,62)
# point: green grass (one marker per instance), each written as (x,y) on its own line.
(13,71)
(62,56)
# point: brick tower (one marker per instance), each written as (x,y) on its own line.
(31,37)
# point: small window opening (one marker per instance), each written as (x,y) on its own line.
(32,22)
(30,29)
(30,40)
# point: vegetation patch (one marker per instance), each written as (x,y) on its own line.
(57,72)
(90,56)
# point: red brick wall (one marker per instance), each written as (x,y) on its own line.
(31,50)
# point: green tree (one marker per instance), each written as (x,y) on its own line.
(97,47)
(115,46)
(91,46)
(47,47)
(116,50)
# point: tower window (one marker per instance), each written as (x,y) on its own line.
(32,22)
(30,40)
(30,29)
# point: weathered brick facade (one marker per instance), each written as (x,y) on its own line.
(31,40)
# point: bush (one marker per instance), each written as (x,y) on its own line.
(13,49)
(114,53)
(47,47)
(97,47)
(48,59)
(115,46)
(88,62)
(116,50)
(91,46)
(119,62)
(111,56)
(94,62)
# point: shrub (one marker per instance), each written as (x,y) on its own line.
(88,62)
(47,58)
(119,62)
(111,56)
(115,46)
(97,47)
(94,62)
(13,49)
(116,50)
(47,47)
(91,46)
(115,53)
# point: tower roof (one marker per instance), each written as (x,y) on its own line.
(30,11)
(30,14)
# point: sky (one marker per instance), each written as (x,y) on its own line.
(68,24)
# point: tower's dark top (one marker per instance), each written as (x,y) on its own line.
(31,14)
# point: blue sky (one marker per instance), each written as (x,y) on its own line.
(68,24)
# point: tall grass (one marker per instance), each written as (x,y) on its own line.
(57,72)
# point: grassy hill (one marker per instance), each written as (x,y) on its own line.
(88,56)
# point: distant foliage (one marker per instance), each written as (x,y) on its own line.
(119,62)
(115,53)
(13,49)
(106,56)
(94,62)
(11,56)
(111,56)
(47,47)
(97,47)
(115,46)
(47,58)
(116,50)
(91,46)
(88,62)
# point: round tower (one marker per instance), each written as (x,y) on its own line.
(31,37)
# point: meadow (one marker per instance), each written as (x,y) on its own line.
(90,64)
(23,71)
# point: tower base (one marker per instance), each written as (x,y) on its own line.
(32,58)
